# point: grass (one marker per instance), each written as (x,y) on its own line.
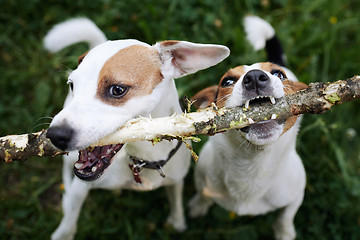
(321,41)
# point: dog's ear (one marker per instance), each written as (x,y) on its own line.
(291,87)
(180,58)
(205,97)
(81,57)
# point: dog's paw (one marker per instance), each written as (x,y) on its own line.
(284,231)
(199,206)
(63,234)
(178,224)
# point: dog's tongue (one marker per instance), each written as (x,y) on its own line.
(94,160)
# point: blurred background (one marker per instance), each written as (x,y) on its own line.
(321,40)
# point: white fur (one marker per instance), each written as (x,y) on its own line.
(258,31)
(71,32)
(94,119)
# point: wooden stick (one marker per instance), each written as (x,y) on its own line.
(316,99)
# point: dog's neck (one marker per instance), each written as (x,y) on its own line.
(242,162)
(166,106)
(168,102)
(236,143)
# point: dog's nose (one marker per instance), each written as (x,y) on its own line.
(255,79)
(60,136)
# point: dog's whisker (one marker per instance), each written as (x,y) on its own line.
(49,118)
(288,88)
(38,122)
(39,125)
(223,98)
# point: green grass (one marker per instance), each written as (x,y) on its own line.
(321,41)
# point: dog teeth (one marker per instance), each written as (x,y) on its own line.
(78,165)
(247,104)
(251,121)
(93,169)
(272,100)
(273,116)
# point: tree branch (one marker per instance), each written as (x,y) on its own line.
(318,98)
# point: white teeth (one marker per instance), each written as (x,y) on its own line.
(78,165)
(251,121)
(273,116)
(247,103)
(272,100)
(93,169)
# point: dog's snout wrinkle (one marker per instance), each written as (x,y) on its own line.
(60,136)
(255,79)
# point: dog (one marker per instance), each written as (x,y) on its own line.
(113,83)
(256,169)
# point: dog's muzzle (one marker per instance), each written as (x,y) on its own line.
(92,161)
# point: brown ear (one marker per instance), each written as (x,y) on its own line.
(81,57)
(289,123)
(205,97)
(291,87)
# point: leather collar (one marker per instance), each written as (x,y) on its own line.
(137,164)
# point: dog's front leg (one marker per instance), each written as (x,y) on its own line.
(176,217)
(72,202)
(284,228)
(199,205)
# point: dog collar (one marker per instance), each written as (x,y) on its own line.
(137,164)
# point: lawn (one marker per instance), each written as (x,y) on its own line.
(321,40)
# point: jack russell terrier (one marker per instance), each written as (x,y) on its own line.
(113,83)
(256,169)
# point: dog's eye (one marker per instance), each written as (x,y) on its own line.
(117,91)
(278,74)
(71,85)
(228,81)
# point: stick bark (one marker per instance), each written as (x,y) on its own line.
(316,99)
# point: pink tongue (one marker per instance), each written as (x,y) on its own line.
(93,161)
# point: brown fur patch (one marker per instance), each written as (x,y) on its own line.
(205,97)
(81,57)
(291,87)
(224,92)
(268,66)
(169,43)
(289,123)
(136,67)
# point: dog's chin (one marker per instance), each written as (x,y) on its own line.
(263,133)
(93,161)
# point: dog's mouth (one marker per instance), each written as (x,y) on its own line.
(262,131)
(93,161)
(259,100)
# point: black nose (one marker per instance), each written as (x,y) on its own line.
(60,136)
(255,79)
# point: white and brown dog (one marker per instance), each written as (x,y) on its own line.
(256,169)
(115,82)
